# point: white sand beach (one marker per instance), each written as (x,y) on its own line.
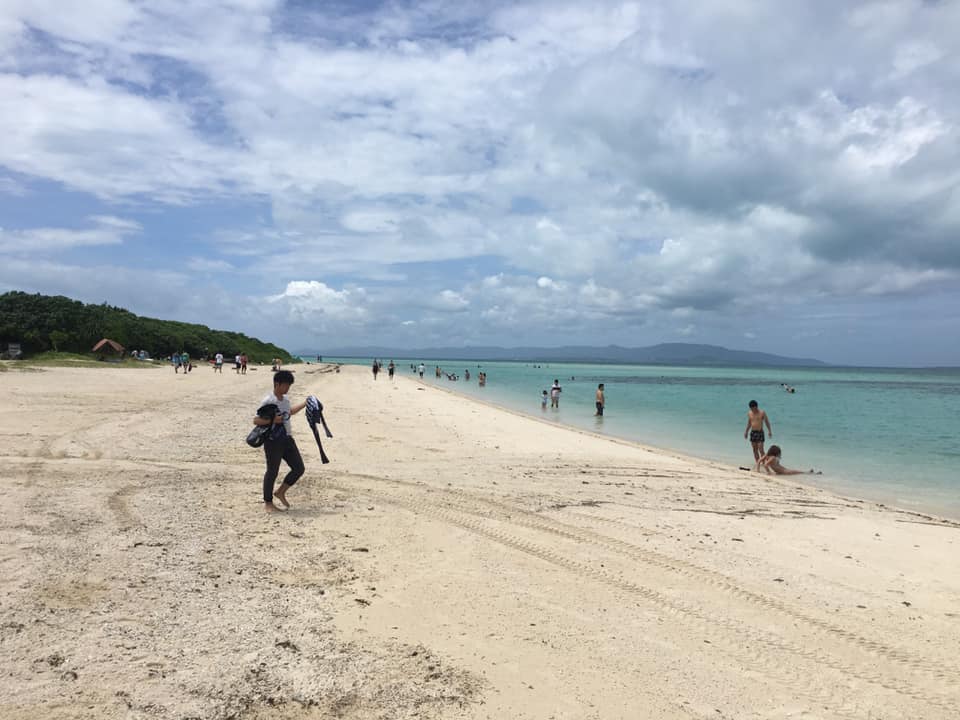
(454,560)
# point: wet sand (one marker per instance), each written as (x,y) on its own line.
(454,560)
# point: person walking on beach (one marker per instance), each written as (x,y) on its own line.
(600,400)
(420,368)
(243,363)
(218,363)
(280,445)
(376,369)
(390,369)
(770,462)
(555,391)
(755,421)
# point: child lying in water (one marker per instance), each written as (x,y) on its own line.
(771,463)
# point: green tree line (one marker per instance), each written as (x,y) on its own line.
(44,322)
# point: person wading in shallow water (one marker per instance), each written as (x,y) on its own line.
(280,445)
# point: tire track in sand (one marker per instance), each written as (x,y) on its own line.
(705,622)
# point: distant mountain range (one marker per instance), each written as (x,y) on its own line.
(663,354)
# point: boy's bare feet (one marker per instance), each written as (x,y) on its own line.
(281,495)
(270,507)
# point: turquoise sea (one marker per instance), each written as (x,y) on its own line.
(889,435)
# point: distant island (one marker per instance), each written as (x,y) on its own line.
(40,323)
(663,354)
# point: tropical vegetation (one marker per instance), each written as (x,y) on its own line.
(42,323)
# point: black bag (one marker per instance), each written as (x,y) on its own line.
(260,433)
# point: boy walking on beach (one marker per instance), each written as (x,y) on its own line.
(755,421)
(280,445)
(600,400)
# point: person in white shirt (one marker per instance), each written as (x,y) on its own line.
(280,445)
(218,363)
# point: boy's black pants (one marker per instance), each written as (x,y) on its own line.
(275,451)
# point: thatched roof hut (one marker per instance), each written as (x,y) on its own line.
(108,347)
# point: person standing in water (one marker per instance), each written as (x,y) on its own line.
(601,401)
(755,421)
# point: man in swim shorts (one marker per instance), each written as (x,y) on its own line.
(755,421)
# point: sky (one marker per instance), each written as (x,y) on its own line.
(773,176)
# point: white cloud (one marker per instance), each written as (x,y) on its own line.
(314,306)
(624,156)
(106,230)
(206,265)
(449,301)
(9,186)
(97,138)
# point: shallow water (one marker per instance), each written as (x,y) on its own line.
(889,435)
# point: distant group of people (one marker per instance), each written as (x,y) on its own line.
(439,373)
(239,363)
(553,396)
(769,460)
(182,360)
(378,367)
